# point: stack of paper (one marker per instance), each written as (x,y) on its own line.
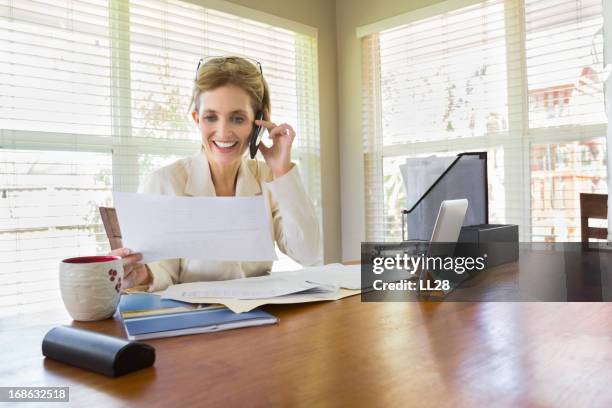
(342,276)
(329,282)
(261,287)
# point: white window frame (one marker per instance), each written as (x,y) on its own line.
(516,141)
(125,148)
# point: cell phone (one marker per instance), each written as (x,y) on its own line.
(256,135)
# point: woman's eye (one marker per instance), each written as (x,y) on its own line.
(238,119)
(209,118)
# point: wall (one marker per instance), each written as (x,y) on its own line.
(351,14)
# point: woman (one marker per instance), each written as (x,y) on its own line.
(228,92)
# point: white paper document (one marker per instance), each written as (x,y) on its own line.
(246,305)
(419,174)
(342,276)
(207,228)
(313,284)
(260,287)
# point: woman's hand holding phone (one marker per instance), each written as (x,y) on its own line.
(277,156)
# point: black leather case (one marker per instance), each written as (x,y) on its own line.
(111,356)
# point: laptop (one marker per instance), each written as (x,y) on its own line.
(449,221)
(442,244)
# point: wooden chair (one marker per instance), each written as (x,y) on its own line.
(593,206)
(111,226)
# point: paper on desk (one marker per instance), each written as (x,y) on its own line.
(343,276)
(260,287)
(208,228)
(242,305)
(348,278)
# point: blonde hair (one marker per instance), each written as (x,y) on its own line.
(221,71)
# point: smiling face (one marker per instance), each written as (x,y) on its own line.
(225,120)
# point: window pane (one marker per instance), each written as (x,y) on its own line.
(75,70)
(148,163)
(168,40)
(48,211)
(445,77)
(559,173)
(162,59)
(55,67)
(460,74)
(564,48)
(394,198)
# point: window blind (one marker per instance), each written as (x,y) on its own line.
(521,80)
(564,51)
(94,96)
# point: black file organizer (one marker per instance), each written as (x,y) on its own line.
(464,180)
(465,177)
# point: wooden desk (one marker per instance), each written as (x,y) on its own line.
(349,353)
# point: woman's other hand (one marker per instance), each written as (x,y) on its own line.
(277,156)
(134,272)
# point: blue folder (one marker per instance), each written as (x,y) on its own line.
(146,301)
(205,320)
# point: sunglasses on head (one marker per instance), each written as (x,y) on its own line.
(220,60)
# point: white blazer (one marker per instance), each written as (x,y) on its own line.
(293,220)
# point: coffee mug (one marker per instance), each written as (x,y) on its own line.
(91,286)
